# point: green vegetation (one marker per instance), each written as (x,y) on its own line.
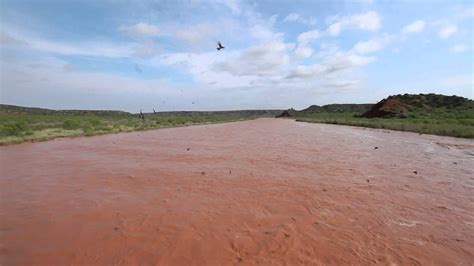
(19,124)
(422,113)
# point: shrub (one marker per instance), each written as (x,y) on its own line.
(88,131)
(71,124)
(95,122)
(15,129)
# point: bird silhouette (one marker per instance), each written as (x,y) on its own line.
(154,111)
(219,46)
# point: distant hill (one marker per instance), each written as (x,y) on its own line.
(329,108)
(338,108)
(268,113)
(422,113)
(425,104)
(400,106)
(14,109)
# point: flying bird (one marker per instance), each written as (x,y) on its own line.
(219,46)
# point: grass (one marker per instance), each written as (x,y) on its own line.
(18,128)
(440,121)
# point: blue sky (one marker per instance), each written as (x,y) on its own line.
(132,55)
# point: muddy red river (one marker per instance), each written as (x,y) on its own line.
(267,191)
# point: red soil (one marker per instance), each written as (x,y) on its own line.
(268,191)
(389,106)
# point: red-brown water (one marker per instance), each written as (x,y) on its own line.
(268,191)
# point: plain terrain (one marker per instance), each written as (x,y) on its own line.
(421,113)
(19,124)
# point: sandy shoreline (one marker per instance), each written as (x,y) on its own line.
(268,191)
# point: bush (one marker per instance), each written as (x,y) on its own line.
(88,131)
(95,122)
(15,129)
(71,124)
(103,128)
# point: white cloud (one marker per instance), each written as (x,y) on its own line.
(358,60)
(414,27)
(201,67)
(263,32)
(369,21)
(304,40)
(272,20)
(295,17)
(292,17)
(367,47)
(447,31)
(235,6)
(373,45)
(197,33)
(265,59)
(461,12)
(146,50)
(459,48)
(330,66)
(102,49)
(334,29)
(141,29)
(6,39)
(62,76)
(308,36)
(303,52)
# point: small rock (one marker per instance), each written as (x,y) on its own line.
(188,149)
(415,172)
(203,173)
(376,148)
(455,163)
(368,181)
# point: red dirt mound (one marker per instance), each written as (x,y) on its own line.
(285,113)
(387,107)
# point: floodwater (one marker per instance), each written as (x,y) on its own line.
(267,191)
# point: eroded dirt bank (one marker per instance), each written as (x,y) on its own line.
(267,191)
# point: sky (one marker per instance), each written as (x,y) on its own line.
(132,55)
